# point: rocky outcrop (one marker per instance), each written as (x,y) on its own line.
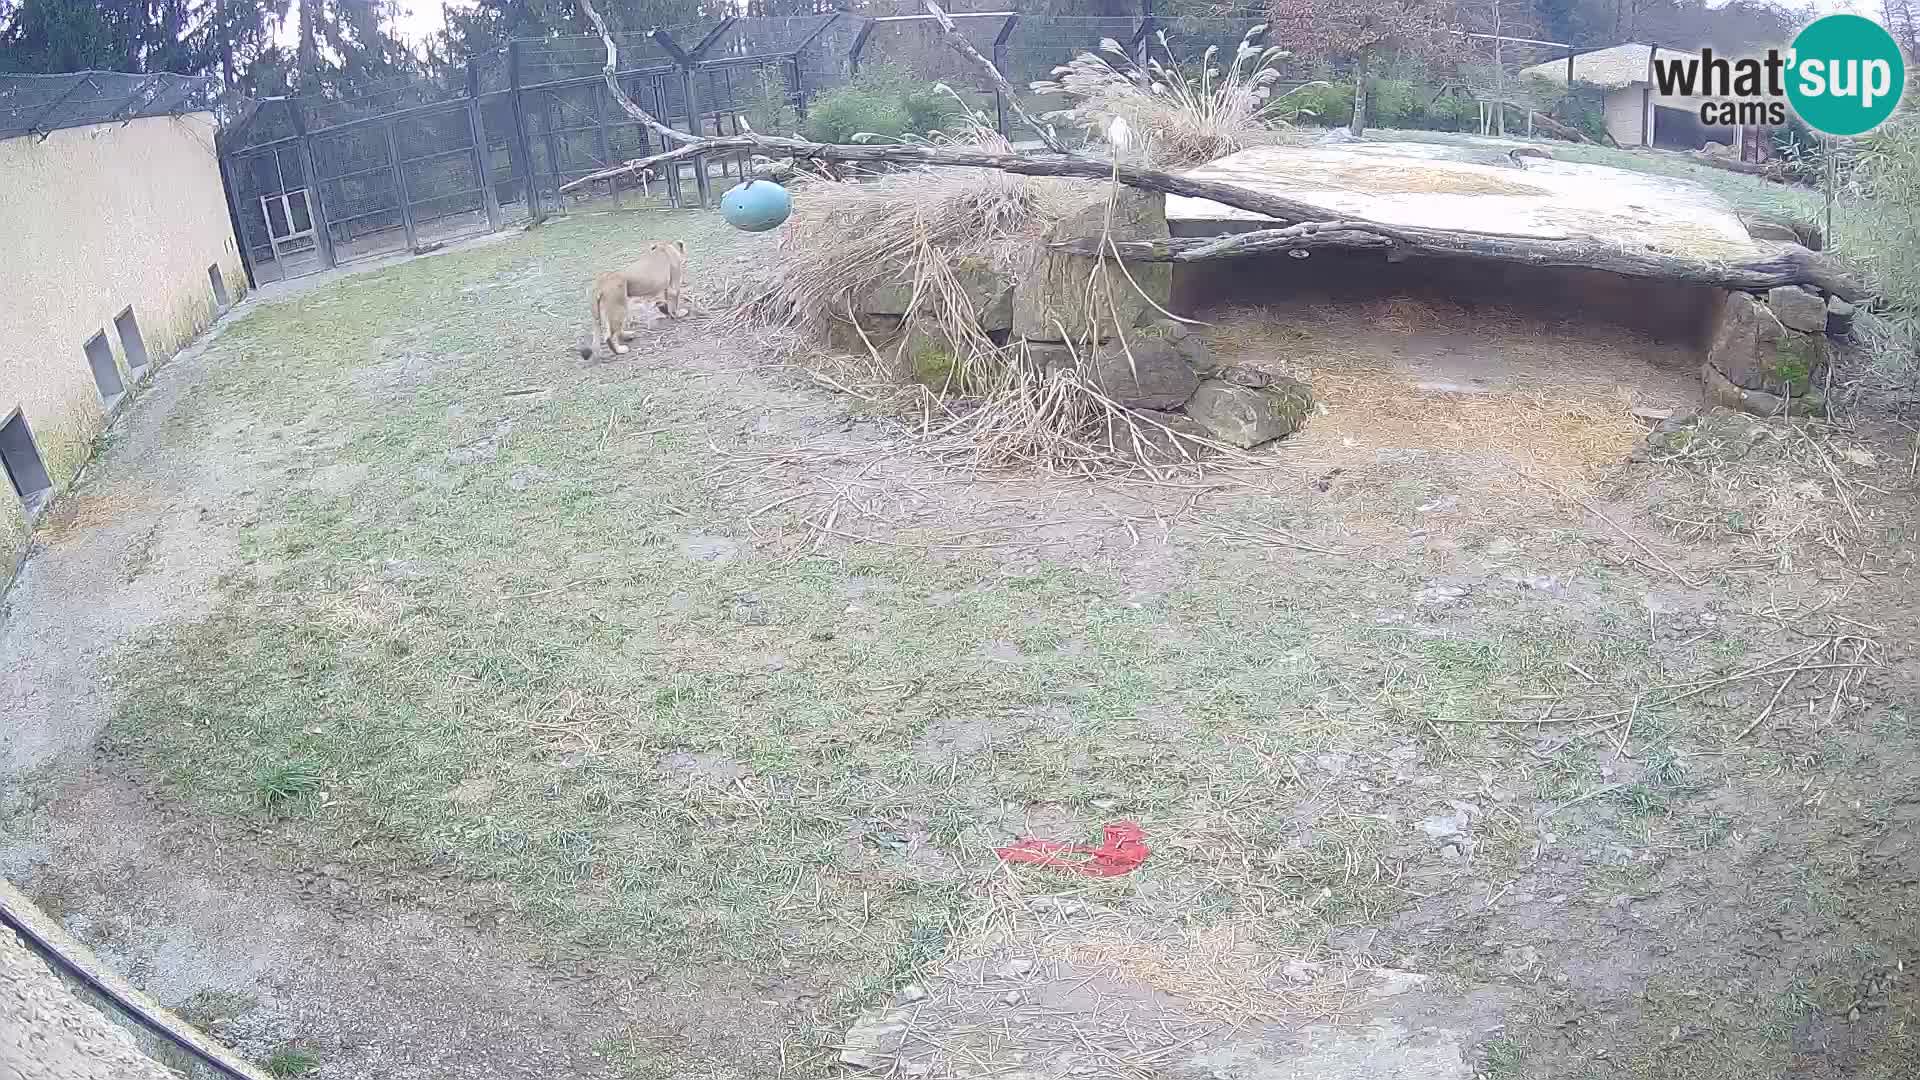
(1798,308)
(1144,373)
(990,295)
(1760,363)
(1051,292)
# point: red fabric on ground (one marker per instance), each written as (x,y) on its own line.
(1124,850)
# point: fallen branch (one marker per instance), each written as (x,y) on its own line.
(1784,265)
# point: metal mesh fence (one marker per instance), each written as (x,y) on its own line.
(43,104)
(318,181)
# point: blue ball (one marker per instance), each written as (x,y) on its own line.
(756,206)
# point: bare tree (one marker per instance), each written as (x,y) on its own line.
(1355,29)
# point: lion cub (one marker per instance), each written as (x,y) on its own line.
(657,274)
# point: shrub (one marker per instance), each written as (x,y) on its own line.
(1884,236)
(882,100)
(838,115)
(1321,104)
(1396,103)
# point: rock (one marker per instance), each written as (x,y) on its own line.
(1798,308)
(1050,286)
(874,1040)
(1839,317)
(1720,391)
(883,331)
(1246,417)
(989,292)
(1753,351)
(1716,149)
(1049,356)
(1781,229)
(1191,346)
(1157,438)
(1020,968)
(1144,373)
(927,356)
(1242,375)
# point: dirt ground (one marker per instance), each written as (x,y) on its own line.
(401,697)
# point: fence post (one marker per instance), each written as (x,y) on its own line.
(1000,61)
(529,185)
(702,184)
(602,144)
(859,46)
(400,185)
(799,78)
(1143,38)
(482,158)
(225,161)
(316,204)
(690,97)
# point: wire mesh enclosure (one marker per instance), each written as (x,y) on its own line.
(406,165)
(42,104)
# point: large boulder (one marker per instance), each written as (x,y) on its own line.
(1798,308)
(990,293)
(1050,291)
(1720,391)
(1752,350)
(1246,416)
(1143,373)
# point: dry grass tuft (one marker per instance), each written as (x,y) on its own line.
(1170,119)
(1042,981)
(915,226)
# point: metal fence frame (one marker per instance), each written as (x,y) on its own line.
(39,105)
(416,164)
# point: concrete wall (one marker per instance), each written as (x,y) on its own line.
(1624,112)
(95,219)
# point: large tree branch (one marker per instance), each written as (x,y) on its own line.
(960,43)
(1274,206)
(1786,265)
(611,72)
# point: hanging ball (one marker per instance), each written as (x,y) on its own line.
(756,206)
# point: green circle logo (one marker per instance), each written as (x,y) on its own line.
(1846,75)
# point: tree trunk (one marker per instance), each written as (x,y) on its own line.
(307,61)
(1359,122)
(1790,266)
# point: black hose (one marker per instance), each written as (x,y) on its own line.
(139,1014)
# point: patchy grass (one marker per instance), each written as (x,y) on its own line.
(696,678)
(288,1063)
